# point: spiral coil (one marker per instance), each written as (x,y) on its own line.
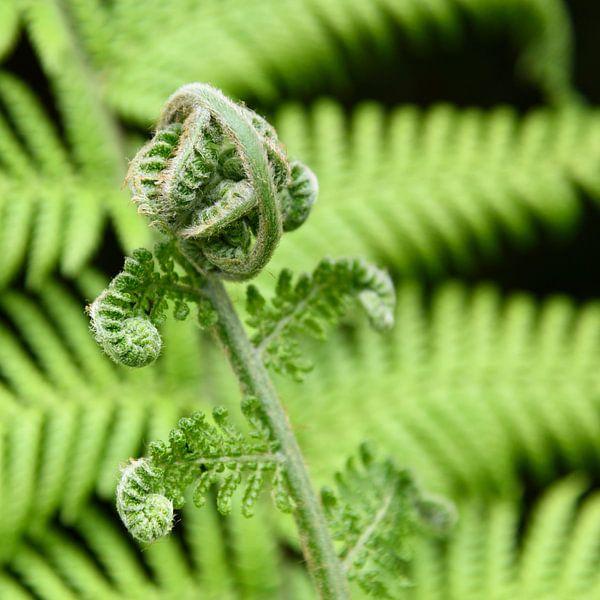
(120,324)
(216,176)
(147,514)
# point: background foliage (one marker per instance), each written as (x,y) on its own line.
(456,142)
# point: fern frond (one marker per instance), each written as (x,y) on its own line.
(556,557)
(267,50)
(427,191)
(9,20)
(124,316)
(313,302)
(51,211)
(522,374)
(204,454)
(94,558)
(376,508)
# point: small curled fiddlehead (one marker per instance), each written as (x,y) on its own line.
(145,511)
(122,328)
(126,314)
(203,455)
(216,176)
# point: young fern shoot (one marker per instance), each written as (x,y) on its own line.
(217,184)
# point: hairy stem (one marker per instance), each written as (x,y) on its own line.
(324,566)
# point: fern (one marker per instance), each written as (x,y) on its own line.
(313,301)
(446,188)
(269,50)
(490,397)
(50,212)
(125,315)
(378,506)
(556,557)
(102,563)
(199,452)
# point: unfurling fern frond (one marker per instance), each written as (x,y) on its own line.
(312,302)
(146,511)
(124,316)
(203,454)
(377,506)
(216,176)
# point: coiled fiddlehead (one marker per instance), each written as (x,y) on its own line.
(120,324)
(216,176)
(125,315)
(206,455)
(145,511)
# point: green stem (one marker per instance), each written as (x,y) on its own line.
(323,564)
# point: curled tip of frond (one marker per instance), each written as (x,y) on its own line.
(147,514)
(215,172)
(204,455)
(120,326)
(300,197)
(136,344)
(125,315)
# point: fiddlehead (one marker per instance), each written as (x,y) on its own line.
(125,315)
(202,454)
(144,509)
(121,325)
(216,176)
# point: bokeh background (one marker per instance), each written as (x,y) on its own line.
(457,143)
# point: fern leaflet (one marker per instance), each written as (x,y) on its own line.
(376,508)
(312,302)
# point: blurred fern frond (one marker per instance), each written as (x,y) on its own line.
(487,558)
(52,208)
(93,558)
(556,557)
(472,390)
(432,190)
(270,50)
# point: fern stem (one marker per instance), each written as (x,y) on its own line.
(323,564)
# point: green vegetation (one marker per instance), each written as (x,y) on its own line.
(456,145)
